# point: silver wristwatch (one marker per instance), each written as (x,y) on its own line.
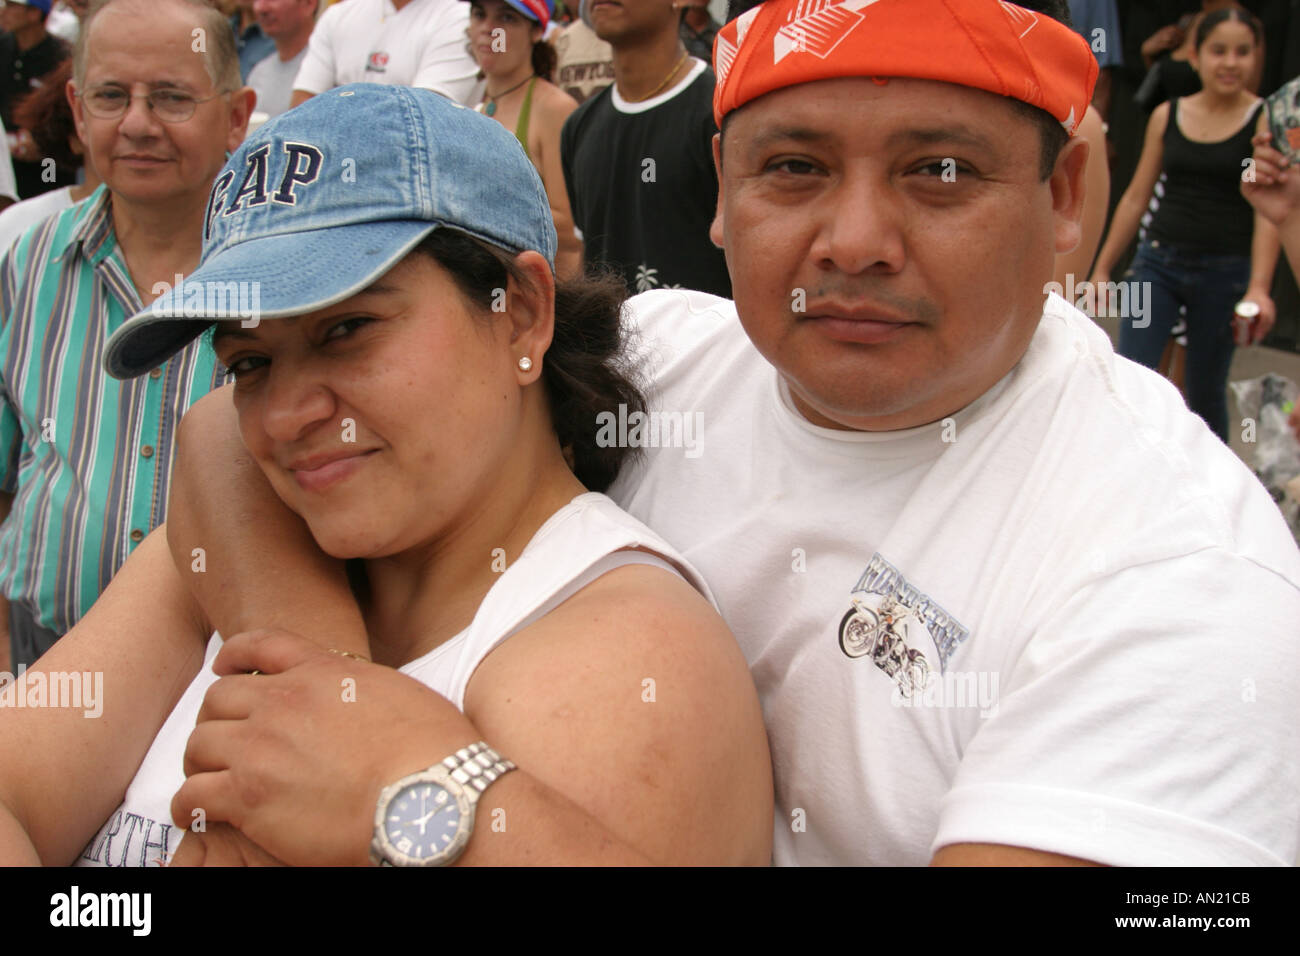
(426,818)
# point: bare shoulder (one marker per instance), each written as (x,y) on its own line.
(1159,117)
(553,102)
(618,698)
(1256,107)
(656,614)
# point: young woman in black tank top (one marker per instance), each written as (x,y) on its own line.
(1168,55)
(1201,248)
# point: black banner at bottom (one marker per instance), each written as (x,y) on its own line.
(401,907)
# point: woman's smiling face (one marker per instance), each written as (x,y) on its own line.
(380,419)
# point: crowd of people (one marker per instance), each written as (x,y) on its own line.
(451,435)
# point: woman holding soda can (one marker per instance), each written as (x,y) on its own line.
(1201,246)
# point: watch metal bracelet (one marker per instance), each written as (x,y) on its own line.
(475,767)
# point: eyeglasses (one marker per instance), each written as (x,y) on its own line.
(170,106)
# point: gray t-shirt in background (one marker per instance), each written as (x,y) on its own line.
(272,79)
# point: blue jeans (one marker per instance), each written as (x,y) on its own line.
(1208,285)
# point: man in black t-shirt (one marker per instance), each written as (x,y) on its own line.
(638,160)
(27,53)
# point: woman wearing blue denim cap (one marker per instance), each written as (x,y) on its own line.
(549,683)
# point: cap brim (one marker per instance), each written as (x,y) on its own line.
(272,277)
(521,9)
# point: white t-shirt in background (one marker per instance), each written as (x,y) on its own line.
(272,79)
(63,23)
(8,184)
(21,216)
(1064,619)
(425,44)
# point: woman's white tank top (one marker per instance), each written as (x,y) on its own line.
(583,540)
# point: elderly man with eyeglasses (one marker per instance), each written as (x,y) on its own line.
(158,101)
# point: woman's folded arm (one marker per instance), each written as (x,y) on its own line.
(74,729)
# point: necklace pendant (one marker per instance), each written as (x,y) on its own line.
(491,108)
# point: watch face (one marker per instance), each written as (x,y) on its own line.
(425,822)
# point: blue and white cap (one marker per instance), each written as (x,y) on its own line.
(324,199)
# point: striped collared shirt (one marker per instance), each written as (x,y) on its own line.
(86,457)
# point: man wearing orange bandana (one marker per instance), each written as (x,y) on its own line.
(1005,600)
(990,578)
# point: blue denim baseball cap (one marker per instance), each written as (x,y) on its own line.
(539,11)
(324,199)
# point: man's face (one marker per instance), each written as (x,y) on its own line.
(15,16)
(283,18)
(140,157)
(888,244)
(617,21)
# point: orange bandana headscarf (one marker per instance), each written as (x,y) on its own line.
(987,44)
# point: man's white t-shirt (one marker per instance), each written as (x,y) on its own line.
(425,44)
(1066,618)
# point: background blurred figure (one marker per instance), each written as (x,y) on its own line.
(65,19)
(28,53)
(8,186)
(1097,21)
(506,39)
(697,29)
(1201,248)
(638,156)
(586,62)
(251,40)
(399,42)
(1168,55)
(48,115)
(289,24)
(1074,266)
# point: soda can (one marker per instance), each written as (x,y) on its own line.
(1245,316)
